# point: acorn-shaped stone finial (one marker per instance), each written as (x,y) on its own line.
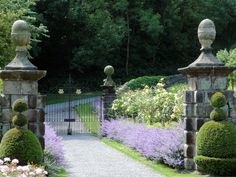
(20,35)
(109,70)
(206,33)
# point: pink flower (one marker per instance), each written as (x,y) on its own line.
(15,161)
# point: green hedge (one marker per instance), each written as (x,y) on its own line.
(216,166)
(141,82)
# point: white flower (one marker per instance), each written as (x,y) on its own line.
(7,159)
(1,162)
(38,171)
(15,161)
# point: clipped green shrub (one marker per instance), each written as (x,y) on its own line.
(19,105)
(23,145)
(218,100)
(141,82)
(218,114)
(217,166)
(217,139)
(216,142)
(19,120)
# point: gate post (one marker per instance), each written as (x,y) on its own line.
(205,76)
(20,80)
(108,92)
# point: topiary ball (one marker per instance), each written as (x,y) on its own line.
(216,148)
(19,105)
(19,120)
(218,114)
(218,100)
(23,145)
(217,139)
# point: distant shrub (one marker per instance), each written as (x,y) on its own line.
(159,144)
(141,82)
(150,105)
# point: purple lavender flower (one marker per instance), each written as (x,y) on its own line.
(53,145)
(161,144)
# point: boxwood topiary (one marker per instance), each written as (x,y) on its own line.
(218,114)
(19,105)
(23,145)
(217,139)
(216,142)
(217,166)
(218,100)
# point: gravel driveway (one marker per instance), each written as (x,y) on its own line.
(87,156)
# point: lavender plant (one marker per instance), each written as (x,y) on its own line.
(160,144)
(53,153)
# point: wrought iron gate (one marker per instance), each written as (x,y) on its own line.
(74,113)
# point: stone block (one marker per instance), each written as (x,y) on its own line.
(14,97)
(203,83)
(189,151)
(203,110)
(199,122)
(199,96)
(6,101)
(6,115)
(20,87)
(189,110)
(41,129)
(31,115)
(34,128)
(219,83)
(32,101)
(41,101)
(41,115)
(189,97)
(189,124)
(189,137)
(189,164)
(192,83)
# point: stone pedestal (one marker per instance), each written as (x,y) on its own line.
(108,96)
(23,84)
(206,75)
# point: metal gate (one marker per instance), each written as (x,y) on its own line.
(74,113)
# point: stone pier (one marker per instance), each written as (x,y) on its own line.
(20,80)
(206,75)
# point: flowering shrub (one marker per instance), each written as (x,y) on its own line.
(162,144)
(53,153)
(10,168)
(150,105)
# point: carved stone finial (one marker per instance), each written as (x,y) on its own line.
(206,33)
(109,70)
(20,35)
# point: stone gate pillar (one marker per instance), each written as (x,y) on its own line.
(108,91)
(20,80)
(205,76)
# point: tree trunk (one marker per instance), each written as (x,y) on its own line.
(128,46)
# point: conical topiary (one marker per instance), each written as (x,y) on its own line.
(21,143)
(216,141)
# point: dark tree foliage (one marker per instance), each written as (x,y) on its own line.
(137,37)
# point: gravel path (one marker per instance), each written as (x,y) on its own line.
(87,156)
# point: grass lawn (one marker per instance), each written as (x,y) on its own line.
(89,117)
(158,167)
(57,98)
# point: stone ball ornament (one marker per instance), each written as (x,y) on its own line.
(206,33)
(109,70)
(20,33)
